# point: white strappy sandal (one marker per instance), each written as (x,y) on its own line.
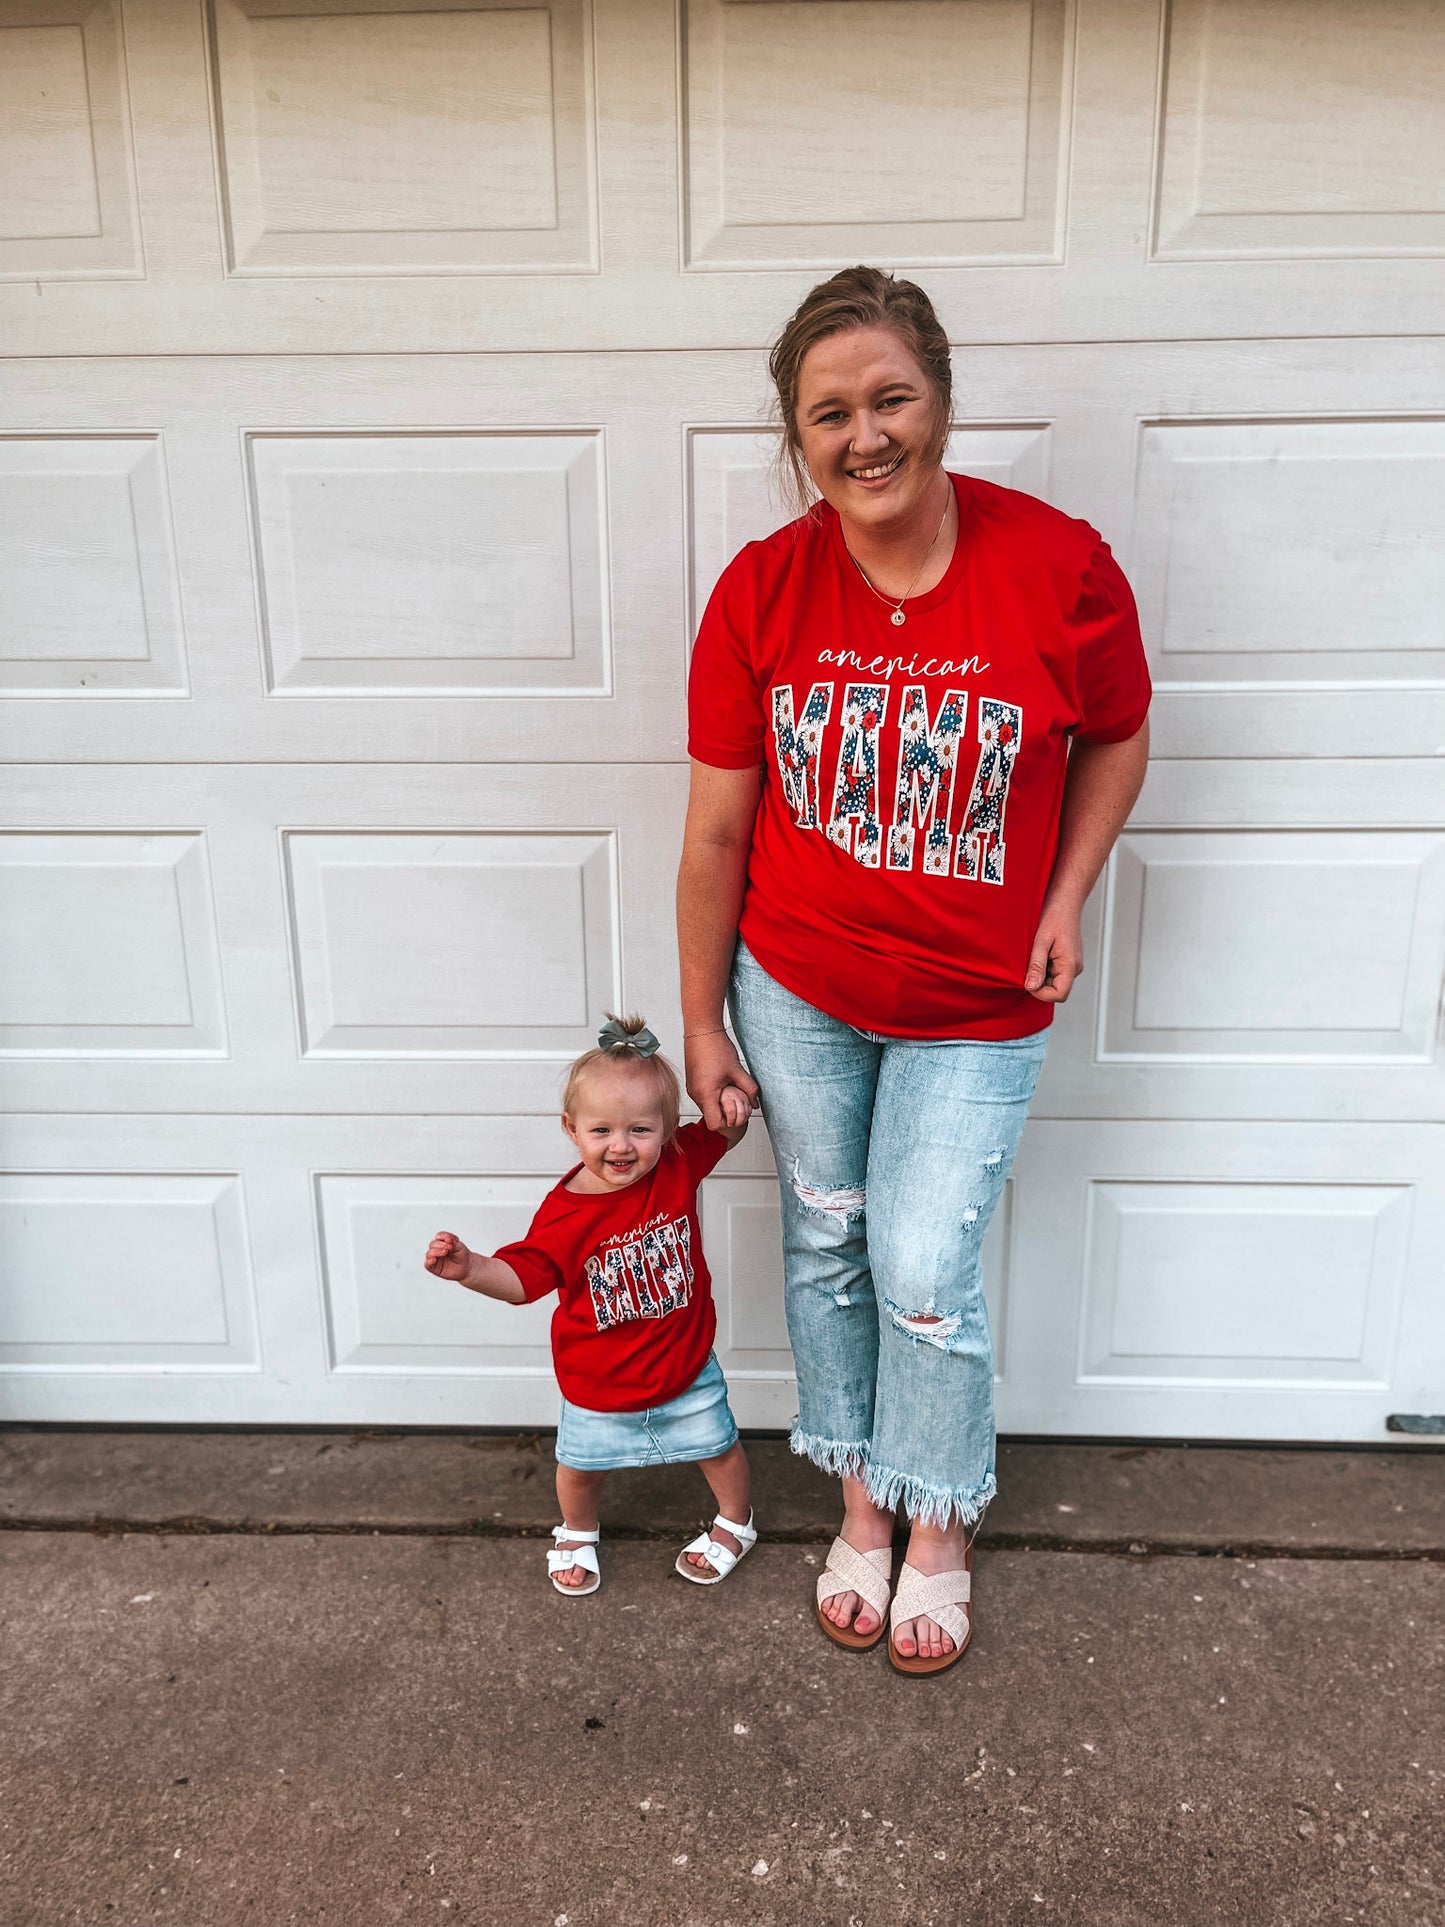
(582,1552)
(718,1556)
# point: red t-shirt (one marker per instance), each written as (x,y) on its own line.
(635,1320)
(912,775)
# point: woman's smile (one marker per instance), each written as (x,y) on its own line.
(878,472)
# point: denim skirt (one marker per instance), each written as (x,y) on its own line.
(697,1424)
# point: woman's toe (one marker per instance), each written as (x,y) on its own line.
(933,1640)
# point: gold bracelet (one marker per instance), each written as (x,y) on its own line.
(720,1030)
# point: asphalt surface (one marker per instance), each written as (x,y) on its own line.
(212,1726)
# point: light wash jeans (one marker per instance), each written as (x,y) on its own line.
(892,1154)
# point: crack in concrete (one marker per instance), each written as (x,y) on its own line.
(1111,1547)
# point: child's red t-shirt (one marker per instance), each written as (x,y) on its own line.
(912,775)
(635,1320)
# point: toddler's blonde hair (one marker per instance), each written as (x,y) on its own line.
(626,1055)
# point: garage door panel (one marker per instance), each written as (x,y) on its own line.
(411,565)
(1271,947)
(1254,951)
(384,138)
(115,1271)
(1301,127)
(385,1314)
(1242,1283)
(1260,561)
(528,921)
(1244,1280)
(110,947)
(68,206)
(983,88)
(89,596)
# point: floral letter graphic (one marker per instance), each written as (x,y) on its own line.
(855,789)
(980,841)
(925,779)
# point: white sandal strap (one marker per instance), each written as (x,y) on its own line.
(580,1538)
(721,1558)
(745,1535)
(583,1555)
(846,1569)
(933,1595)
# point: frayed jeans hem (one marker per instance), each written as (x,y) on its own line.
(927,1505)
(843,1460)
(924,1504)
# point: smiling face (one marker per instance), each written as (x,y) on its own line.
(868,419)
(617,1125)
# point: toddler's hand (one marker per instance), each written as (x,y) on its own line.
(736,1107)
(448,1257)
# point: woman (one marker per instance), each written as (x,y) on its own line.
(943,687)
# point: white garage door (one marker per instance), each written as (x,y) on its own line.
(385,396)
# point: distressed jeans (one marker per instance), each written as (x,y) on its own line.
(892,1155)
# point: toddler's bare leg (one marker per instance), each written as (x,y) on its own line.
(731,1484)
(577,1494)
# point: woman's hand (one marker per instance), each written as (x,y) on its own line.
(1057,957)
(1100,787)
(717,1082)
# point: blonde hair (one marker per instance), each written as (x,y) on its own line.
(858,297)
(625,1055)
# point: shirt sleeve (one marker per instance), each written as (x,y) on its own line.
(536,1268)
(701,1149)
(725,721)
(1113,676)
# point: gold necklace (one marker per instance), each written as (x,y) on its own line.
(898,618)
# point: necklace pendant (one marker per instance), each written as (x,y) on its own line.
(898,618)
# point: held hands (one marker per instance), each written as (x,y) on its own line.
(717,1082)
(1057,957)
(448,1257)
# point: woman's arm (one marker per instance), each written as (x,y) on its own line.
(721,806)
(1100,787)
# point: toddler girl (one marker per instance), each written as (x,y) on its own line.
(617,1239)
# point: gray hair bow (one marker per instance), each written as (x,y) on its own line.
(612,1034)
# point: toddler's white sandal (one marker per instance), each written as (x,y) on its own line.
(582,1552)
(718,1556)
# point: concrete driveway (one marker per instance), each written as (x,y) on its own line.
(357,1725)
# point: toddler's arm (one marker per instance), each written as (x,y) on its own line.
(448,1257)
(736,1110)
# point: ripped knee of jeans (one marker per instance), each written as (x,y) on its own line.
(842,1204)
(928,1327)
